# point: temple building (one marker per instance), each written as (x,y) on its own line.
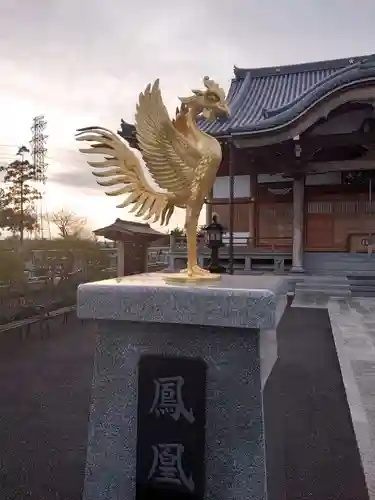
(296,181)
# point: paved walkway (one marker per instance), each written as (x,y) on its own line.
(311,300)
(353,328)
(44,406)
(45,395)
(308,412)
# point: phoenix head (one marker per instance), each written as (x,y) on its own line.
(210,102)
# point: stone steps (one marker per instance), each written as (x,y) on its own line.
(337,263)
(328,291)
(330,286)
(355,285)
(362,286)
(363,293)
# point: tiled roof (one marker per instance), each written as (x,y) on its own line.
(126,226)
(266,98)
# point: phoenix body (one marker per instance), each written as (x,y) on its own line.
(181,158)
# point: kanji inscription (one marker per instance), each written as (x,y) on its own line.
(167,466)
(171,428)
(168,399)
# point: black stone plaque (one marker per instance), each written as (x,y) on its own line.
(171,428)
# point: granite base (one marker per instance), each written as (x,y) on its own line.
(232,326)
(235,456)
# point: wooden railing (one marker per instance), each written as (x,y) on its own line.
(179,243)
(272,244)
(42,320)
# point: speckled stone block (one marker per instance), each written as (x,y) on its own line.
(240,301)
(217,322)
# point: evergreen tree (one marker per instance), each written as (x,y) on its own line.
(20,196)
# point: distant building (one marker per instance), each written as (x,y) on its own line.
(133,240)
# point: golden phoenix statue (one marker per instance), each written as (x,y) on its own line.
(181,158)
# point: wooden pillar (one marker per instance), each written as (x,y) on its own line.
(298,222)
(120,258)
(209,208)
(144,249)
(252,212)
(231,205)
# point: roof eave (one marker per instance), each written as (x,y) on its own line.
(292,115)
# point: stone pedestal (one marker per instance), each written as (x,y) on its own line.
(230,325)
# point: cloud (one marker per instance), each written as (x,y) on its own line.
(76,177)
(84,63)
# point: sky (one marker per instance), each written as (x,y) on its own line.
(84,63)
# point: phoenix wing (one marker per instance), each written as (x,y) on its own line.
(121,166)
(170,158)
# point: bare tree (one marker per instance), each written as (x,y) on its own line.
(68,224)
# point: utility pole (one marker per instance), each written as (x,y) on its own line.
(21,152)
(39,152)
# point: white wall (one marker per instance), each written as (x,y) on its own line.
(241,187)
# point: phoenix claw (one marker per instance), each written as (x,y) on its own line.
(196,271)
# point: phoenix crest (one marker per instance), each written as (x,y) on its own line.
(181,158)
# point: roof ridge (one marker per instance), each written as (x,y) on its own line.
(299,68)
(132,222)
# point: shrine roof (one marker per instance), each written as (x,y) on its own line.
(262,99)
(129,228)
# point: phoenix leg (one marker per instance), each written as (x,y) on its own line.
(191,236)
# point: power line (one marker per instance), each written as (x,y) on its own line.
(14,157)
(9,155)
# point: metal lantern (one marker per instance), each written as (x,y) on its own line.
(214,241)
(214,233)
